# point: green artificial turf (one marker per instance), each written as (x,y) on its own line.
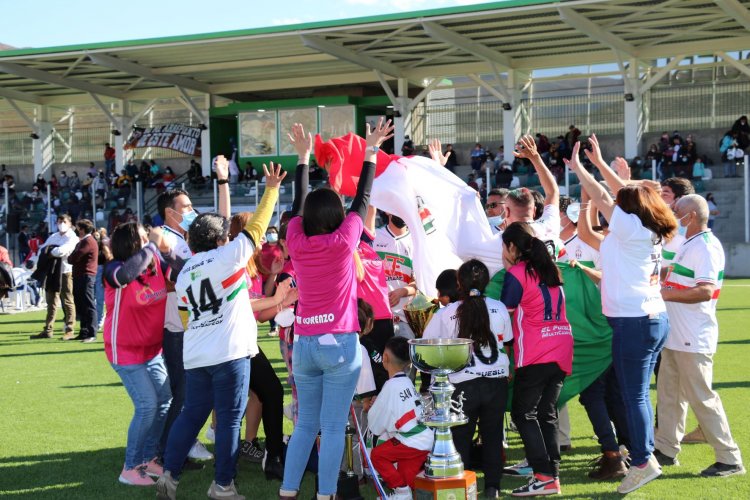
(65,417)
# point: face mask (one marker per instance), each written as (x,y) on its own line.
(681,230)
(187,219)
(398,222)
(63,227)
(272,237)
(496,220)
(573,212)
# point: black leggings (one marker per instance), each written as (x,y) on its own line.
(266,385)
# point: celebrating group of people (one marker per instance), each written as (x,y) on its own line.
(183,300)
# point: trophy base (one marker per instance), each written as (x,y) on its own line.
(455,488)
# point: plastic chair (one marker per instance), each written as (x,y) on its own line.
(20,291)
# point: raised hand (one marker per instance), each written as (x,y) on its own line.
(574,164)
(274,175)
(436,152)
(291,297)
(302,143)
(622,168)
(156,236)
(221,165)
(526,148)
(595,153)
(381,133)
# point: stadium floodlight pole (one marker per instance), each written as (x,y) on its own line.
(653,169)
(747,200)
(216,195)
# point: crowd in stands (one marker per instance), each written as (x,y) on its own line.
(179,304)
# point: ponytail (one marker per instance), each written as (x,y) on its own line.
(472,314)
(534,253)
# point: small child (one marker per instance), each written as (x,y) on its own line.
(447,287)
(366,316)
(394,417)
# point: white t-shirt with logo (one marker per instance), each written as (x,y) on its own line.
(669,249)
(444,324)
(547,229)
(396,253)
(585,254)
(176,241)
(693,327)
(212,291)
(631,262)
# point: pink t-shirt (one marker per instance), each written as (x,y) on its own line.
(255,290)
(373,289)
(540,327)
(326,277)
(134,325)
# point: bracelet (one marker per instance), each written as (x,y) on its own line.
(222,181)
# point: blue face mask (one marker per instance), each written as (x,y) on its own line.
(681,230)
(272,237)
(496,220)
(187,219)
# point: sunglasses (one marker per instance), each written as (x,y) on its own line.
(491,206)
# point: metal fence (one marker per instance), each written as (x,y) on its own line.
(551,116)
(458,123)
(16,148)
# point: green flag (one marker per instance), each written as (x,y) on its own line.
(592,335)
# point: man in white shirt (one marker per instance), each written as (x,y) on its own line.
(64,242)
(176,210)
(691,290)
(672,190)
(394,246)
(496,208)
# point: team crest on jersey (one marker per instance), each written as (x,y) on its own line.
(579,253)
(428,221)
(194,275)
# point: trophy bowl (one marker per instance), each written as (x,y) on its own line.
(440,356)
(418,313)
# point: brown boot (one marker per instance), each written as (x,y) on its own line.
(611,466)
(43,335)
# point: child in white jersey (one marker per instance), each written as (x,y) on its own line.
(394,418)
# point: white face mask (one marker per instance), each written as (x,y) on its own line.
(63,227)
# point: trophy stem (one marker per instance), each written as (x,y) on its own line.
(443,461)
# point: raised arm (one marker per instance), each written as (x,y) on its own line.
(303,144)
(596,191)
(257,225)
(594,154)
(221,166)
(119,274)
(526,148)
(370,219)
(585,229)
(436,152)
(374,139)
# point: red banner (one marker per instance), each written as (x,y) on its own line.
(176,137)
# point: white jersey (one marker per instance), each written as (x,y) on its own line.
(444,324)
(631,263)
(585,254)
(212,292)
(176,241)
(65,243)
(396,413)
(396,253)
(669,250)
(693,327)
(366,381)
(547,229)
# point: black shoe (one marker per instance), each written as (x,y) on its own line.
(665,460)
(77,337)
(88,340)
(43,335)
(491,492)
(723,470)
(566,447)
(251,451)
(273,467)
(190,466)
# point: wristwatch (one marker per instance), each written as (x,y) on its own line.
(374,149)
(222,181)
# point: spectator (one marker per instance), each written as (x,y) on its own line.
(104,256)
(571,137)
(109,158)
(74,183)
(478,156)
(728,148)
(451,161)
(699,168)
(92,169)
(62,181)
(23,243)
(743,132)
(713,210)
(408,148)
(251,175)
(84,261)
(504,175)
(131,169)
(168,178)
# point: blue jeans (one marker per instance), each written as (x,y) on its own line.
(221,387)
(99,292)
(172,352)
(148,386)
(636,343)
(326,376)
(603,403)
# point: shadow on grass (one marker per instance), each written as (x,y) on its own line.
(88,386)
(731,385)
(24,322)
(48,353)
(735,342)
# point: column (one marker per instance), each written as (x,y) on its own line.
(402,121)
(44,146)
(206,139)
(633,112)
(512,116)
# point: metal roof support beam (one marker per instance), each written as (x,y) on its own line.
(190,105)
(53,79)
(104,109)
(423,94)
(386,88)
(322,45)
(736,11)
(734,62)
(131,122)
(17,95)
(22,114)
(659,75)
(594,31)
(146,72)
(503,96)
(466,44)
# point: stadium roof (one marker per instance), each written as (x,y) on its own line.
(521,35)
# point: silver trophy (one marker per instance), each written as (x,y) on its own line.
(440,358)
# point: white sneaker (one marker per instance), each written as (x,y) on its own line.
(289,411)
(199,452)
(639,476)
(210,434)
(403,493)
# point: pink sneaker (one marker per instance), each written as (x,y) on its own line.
(153,468)
(135,477)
